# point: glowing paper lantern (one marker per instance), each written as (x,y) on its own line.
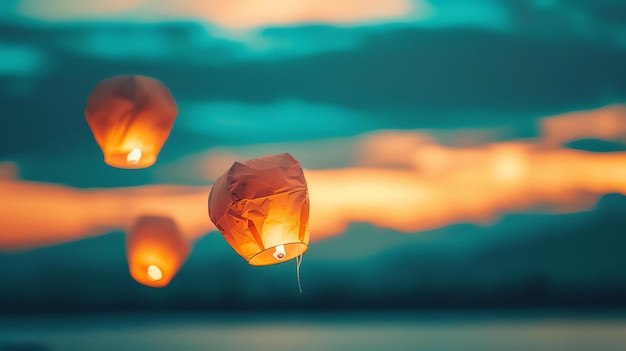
(262,208)
(131,117)
(155,250)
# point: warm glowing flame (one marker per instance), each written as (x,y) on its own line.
(233,13)
(134,156)
(280,253)
(154,273)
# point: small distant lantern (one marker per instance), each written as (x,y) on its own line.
(262,209)
(155,250)
(131,117)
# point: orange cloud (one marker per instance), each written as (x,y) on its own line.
(229,13)
(406,182)
(38,214)
(477,187)
(607,123)
(254,13)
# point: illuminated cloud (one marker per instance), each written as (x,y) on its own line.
(478,187)
(38,214)
(252,13)
(421,150)
(410,183)
(607,123)
(471,186)
(228,13)
(210,164)
(462,13)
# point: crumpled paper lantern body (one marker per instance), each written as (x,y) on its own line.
(262,209)
(131,117)
(155,250)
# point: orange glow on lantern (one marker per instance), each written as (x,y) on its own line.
(131,117)
(262,209)
(156,250)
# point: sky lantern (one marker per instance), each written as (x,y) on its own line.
(262,209)
(131,117)
(155,250)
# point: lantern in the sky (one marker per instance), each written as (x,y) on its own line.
(262,208)
(131,117)
(155,250)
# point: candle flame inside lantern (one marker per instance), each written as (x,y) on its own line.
(134,156)
(279,254)
(154,272)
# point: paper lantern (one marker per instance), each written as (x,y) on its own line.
(155,250)
(262,209)
(131,117)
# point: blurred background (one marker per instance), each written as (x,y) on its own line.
(466,163)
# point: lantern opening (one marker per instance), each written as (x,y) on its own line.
(270,255)
(130,157)
(134,156)
(154,273)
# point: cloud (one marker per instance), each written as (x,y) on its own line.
(253,123)
(410,181)
(210,164)
(607,123)
(407,182)
(237,14)
(466,186)
(38,214)
(600,22)
(456,186)
(404,78)
(64,10)
(20,60)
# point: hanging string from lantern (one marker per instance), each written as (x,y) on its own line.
(298,263)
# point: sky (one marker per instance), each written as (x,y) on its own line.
(449,146)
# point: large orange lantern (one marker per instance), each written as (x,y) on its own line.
(155,250)
(262,208)
(131,117)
